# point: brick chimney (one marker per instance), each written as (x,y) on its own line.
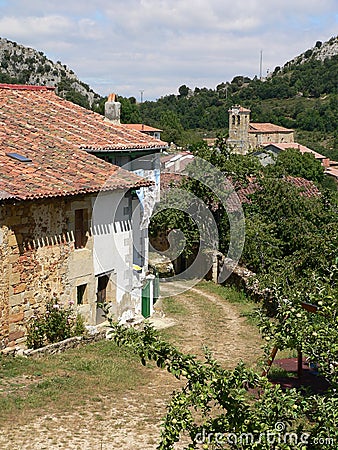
(112,109)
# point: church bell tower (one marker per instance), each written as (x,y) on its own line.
(239,119)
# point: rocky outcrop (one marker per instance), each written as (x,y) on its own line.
(25,65)
(320,51)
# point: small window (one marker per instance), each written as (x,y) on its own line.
(19,157)
(81,294)
(102,288)
(81,228)
(126,211)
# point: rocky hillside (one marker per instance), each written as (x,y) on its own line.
(19,64)
(321,51)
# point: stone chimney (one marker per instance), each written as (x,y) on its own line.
(112,109)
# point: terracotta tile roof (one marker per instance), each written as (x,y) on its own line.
(140,127)
(48,113)
(169,180)
(37,124)
(307,188)
(243,192)
(296,146)
(267,128)
(240,109)
(333,171)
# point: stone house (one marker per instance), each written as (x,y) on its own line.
(146,129)
(67,228)
(332,170)
(269,152)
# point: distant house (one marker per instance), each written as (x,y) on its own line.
(269,152)
(176,162)
(245,136)
(67,228)
(146,129)
(142,158)
(307,188)
(332,170)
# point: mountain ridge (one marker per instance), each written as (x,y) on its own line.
(302,95)
(25,65)
(320,51)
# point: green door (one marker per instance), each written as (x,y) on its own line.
(145,310)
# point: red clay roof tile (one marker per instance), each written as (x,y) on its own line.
(267,128)
(140,127)
(296,146)
(36,123)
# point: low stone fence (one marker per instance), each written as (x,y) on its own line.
(94,333)
(244,279)
(57,347)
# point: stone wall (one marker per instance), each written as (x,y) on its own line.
(259,139)
(57,347)
(39,262)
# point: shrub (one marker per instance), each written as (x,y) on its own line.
(55,324)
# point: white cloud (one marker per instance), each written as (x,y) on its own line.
(157,45)
(40,26)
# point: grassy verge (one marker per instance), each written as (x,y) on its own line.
(62,382)
(173,308)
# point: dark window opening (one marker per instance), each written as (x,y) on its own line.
(81,228)
(81,294)
(102,284)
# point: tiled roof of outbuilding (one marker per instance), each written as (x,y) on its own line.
(50,131)
(140,127)
(296,146)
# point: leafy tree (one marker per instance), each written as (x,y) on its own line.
(293,162)
(183,90)
(130,112)
(314,333)
(172,127)
(235,409)
(297,218)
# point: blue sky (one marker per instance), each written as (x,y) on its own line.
(155,46)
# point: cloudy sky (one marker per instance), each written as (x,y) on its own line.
(155,46)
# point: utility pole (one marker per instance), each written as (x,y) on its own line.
(260,65)
(141,91)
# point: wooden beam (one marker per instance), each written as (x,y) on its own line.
(270,361)
(300,364)
(309,307)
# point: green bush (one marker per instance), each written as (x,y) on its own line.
(57,323)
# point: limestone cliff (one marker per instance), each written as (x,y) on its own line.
(20,64)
